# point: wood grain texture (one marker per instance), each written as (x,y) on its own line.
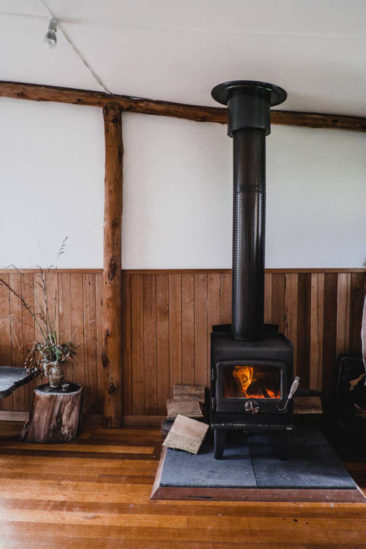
(98,495)
(316,331)
(53,417)
(137,344)
(150,373)
(5,337)
(175,330)
(188,328)
(16,332)
(303,328)
(330,335)
(200,324)
(162,340)
(291,312)
(111,359)
(36,92)
(167,319)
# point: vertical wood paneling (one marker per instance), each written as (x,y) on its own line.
(268,298)
(343,311)
(5,341)
(64,311)
(52,299)
(213,308)
(167,320)
(303,329)
(162,340)
(39,310)
(357,296)
(188,328)
(278,301)
(225,299)
(64,306)
(329,334)
(137,354)
(200,329)
(99,328)
(38,304)
(316,330)
(90,335)
(28,331)
(150,406)
(77,331)
(175,328)
(291,302)
(16,333)
(126,340)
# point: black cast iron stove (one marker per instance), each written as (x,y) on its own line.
(251,363)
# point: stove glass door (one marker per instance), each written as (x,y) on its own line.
(251,381)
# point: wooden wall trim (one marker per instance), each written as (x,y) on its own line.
(36,92)
(187,271)
(55,271)
(228,271)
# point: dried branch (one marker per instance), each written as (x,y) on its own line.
(25,304)
(49,350)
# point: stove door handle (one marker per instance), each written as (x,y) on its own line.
(293,389)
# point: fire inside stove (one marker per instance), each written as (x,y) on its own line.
(251,382)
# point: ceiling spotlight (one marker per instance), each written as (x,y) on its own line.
(50,40)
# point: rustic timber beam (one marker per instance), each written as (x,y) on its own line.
(112,279)
(36,92)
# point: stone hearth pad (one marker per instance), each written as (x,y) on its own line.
(252,471)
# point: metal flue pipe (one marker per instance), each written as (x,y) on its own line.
(248,105)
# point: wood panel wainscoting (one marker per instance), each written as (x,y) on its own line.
(167,319)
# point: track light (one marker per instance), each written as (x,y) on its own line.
(50,40)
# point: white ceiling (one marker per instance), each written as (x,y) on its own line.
(179,49)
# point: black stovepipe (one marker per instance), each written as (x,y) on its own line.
(249,122)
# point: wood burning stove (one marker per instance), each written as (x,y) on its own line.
(251,363)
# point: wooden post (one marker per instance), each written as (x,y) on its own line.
(112,279)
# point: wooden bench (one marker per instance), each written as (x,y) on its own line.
(12,377)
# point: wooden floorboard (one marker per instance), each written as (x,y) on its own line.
(67,496)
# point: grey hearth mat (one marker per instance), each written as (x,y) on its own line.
(250,461)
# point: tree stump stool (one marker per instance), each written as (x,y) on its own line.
(55,414)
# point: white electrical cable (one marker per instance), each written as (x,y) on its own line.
(76,49)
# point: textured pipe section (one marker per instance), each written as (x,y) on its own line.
(248,234)
(249,104)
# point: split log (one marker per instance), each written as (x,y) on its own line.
(189,391)
(112,276)
(307,405)
(186,434)
(54,416)
(189,407)
(187,400)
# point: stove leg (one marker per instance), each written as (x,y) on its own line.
(282,445)
(219,443)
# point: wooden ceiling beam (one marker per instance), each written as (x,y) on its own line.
(36,92)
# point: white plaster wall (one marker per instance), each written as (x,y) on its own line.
(51,180)
(316,208)
(177,196)
(178,202)
(177,191)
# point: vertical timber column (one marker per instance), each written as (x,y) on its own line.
(112,279)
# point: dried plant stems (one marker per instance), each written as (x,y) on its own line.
(25,305)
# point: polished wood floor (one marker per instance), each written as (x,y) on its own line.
(95,492)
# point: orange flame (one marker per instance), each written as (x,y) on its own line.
(244,375)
